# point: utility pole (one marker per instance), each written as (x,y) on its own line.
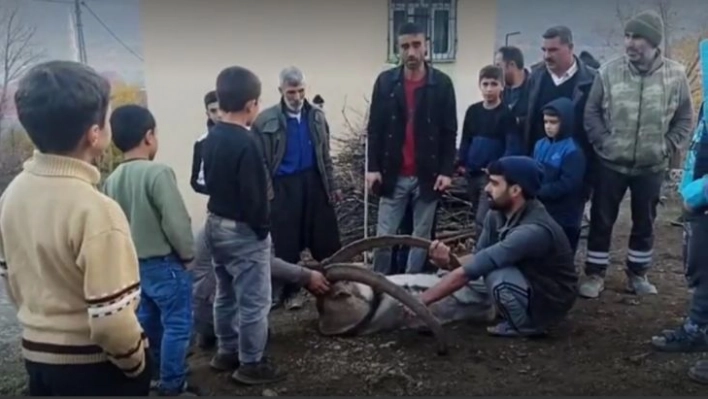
(80,42)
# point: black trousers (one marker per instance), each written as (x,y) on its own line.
(606,198)
(302,217)
(98,379)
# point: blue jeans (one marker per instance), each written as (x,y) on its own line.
(165,314)
(390,214)
(243,290)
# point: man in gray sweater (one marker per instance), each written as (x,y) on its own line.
(637,116)
(522,254)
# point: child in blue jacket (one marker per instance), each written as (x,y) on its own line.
(564,168)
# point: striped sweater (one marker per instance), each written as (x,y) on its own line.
(70,267)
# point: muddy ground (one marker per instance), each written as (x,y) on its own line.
(602,349)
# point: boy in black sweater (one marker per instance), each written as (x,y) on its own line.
(489,132)
(238,231)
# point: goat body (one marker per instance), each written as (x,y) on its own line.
(353,308)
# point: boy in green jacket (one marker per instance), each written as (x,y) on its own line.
(162,231)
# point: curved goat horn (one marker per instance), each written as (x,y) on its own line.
(348,252)
(349,272)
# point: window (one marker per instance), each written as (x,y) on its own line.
(436,17)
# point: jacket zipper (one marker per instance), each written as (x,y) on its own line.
(639,118)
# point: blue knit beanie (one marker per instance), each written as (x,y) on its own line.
(521,170)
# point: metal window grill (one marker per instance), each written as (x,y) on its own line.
(437,17)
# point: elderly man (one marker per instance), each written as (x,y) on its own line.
(638,113)
(412,133)
(294,138)
(522,253)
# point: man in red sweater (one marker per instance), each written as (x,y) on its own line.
(411,135)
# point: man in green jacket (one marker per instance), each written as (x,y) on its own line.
(294,138)
(638,114)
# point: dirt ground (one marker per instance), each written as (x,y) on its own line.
(602,349)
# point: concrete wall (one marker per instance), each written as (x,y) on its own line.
(340,45)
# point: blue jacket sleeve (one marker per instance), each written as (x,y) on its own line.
(571,178)
(694,194)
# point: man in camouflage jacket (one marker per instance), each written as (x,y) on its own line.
(638,115)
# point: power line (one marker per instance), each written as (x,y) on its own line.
(99,20)
(110,32)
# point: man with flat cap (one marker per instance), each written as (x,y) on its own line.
(638,115)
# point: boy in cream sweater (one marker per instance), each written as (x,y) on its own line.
(66,253)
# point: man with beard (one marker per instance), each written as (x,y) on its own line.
(522,253)
(294,139)
(515,96)
(412,133)
(638,114)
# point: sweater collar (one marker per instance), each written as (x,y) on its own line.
(60,166)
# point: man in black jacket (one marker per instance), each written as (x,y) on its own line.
(564,75)
(411,136)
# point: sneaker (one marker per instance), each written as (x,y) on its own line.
(505,329)
(699,372)
(263,372)
(224,362)
(187,390)
(640,285)
(687,338)
(295,302)
(592,286)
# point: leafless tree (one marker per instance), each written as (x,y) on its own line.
(18,50)
(613,29)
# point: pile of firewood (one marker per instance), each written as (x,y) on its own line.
(454,219)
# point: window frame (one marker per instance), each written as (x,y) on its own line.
(431,7)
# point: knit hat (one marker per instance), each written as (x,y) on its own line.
(522,170)
(647,24)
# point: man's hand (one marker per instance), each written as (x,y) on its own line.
(439,254)
(336,196)
(442,183)
(372,178)
(318,284)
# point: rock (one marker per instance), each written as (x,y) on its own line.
(269,392)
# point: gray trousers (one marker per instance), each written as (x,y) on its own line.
(390,214)
(511,294)
(204,287)
(696,266)
(243,287)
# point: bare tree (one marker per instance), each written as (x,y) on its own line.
(18,51)
(668,15)
(613,30)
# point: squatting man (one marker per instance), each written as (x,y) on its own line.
(522,253)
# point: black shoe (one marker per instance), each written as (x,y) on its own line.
(225,362)
(263,372)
